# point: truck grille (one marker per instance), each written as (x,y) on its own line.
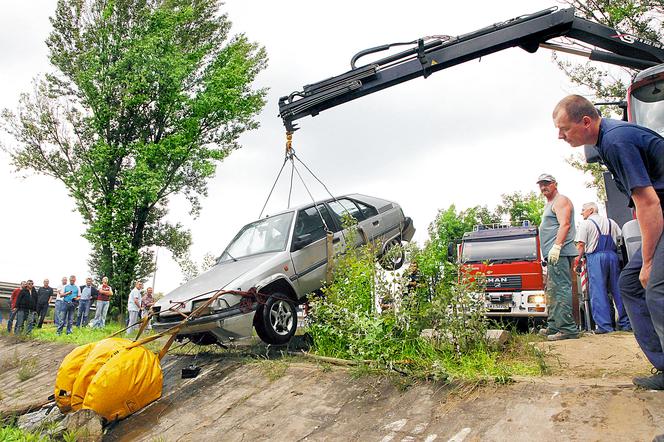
(498,283)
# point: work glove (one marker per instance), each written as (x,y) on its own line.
(554,254)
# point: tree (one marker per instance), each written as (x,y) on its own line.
(146,98)
(522,207)
(643,18)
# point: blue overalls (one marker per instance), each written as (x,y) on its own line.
(603,273)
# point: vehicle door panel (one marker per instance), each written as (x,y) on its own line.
(310,262)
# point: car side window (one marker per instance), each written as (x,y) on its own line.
(366,210)
(345,206)
(309,225)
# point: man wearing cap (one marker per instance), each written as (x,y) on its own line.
(596,239)
(635,157)
(557,242)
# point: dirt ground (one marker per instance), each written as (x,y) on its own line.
(588,396)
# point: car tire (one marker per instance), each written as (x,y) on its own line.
(276,321)
(392,259)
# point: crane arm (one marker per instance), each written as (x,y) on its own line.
(428,56)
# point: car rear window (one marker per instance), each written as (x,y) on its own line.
(366,210)
(342,206)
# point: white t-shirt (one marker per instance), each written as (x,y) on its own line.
(587,232)
(134,295)
(58,292)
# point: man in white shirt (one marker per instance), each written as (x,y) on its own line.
(134,307)
(597,238)
(58,301)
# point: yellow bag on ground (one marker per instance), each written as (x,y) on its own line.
(96,358)
(67,374)
(127,382)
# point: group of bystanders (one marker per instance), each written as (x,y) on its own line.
(29,306)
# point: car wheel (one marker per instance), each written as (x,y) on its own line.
(276,321)
(393,256)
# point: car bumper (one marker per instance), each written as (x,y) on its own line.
(227,325)
(408,229)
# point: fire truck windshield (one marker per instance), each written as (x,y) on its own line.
(500,249)
(647,106)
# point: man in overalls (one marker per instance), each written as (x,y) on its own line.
(557,242)
(635,157)
(596,240)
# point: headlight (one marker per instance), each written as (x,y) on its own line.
(536,299)
(196,304)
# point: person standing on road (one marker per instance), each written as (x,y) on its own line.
(635,157)
(134,306)
(70,295)
(59,303)
(12,306)
(557,243)
(44,295)
(597,240)
(32,316)
(24,306)
(88,294)
(147,301)
(103,301)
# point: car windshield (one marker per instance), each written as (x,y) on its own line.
(265,235)
(504,249)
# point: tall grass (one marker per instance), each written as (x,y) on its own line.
(345,324)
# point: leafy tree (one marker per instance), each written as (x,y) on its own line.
(147,96)
(644,18)
(521,207)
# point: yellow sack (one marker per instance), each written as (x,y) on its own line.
(96,358)
(67,373)
(127,382)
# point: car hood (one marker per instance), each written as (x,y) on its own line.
(217,278)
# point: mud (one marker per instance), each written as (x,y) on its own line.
(587,396)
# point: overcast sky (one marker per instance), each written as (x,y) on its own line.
(465,135)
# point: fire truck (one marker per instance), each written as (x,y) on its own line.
(510,260)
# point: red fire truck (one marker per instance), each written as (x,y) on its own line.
(510,259)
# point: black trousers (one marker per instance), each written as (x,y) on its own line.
(42,311)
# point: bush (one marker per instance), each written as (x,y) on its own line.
(345,323)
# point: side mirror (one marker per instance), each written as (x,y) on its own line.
(451,252)
(301,242)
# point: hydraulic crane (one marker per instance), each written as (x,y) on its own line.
(430,55)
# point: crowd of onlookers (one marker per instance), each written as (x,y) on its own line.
(30,305)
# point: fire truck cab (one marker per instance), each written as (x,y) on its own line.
(510,258)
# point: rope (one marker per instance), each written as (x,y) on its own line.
(290,189)
(314,175)
(273,185)
(327,229)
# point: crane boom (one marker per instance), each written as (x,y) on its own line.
(426,57)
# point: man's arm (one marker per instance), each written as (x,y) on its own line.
(649,214)
(581,247)
(563,211)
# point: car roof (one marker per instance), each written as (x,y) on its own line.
(379,203)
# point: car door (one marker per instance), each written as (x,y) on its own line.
(309,247)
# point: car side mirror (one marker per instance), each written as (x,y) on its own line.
(451,252)
(301,241)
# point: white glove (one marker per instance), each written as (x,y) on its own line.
(554,254)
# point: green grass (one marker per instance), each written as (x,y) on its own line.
(14,434)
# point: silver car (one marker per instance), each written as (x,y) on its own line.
(283,256)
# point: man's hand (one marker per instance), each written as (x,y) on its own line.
(644,275)
(554,254)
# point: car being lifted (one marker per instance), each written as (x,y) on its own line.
(283,257)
